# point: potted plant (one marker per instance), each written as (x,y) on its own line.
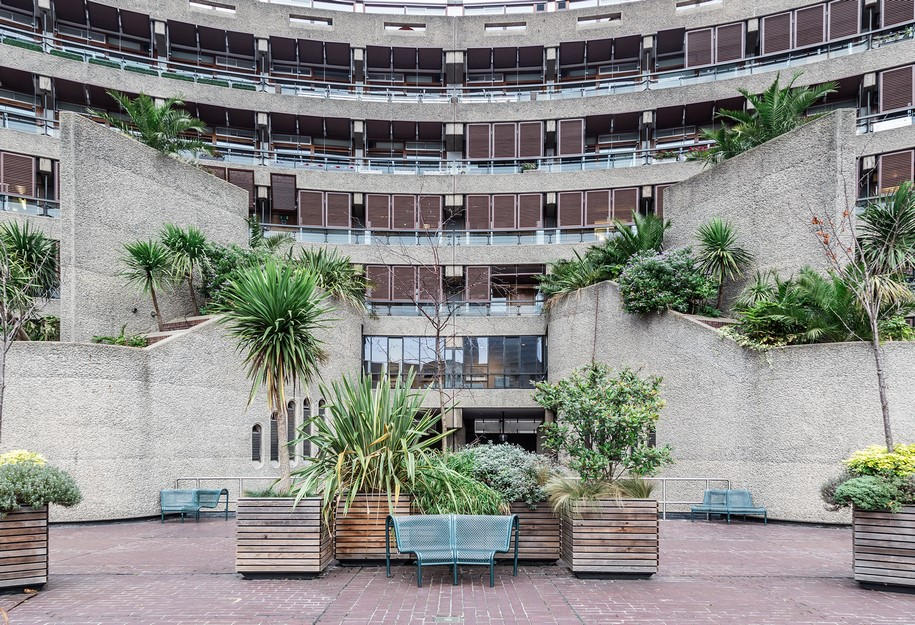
(879,486)
(603,427)
(27,485)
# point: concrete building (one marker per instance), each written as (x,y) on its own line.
(453,152)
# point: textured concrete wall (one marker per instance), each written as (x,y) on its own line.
(771,193)
(778,423)
(115,190)
(127,422)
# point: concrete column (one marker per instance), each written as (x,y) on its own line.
(358,60)
(646,129)
(549,136)
(868,97)
(454,67)
(262,55)
(42,10)
(551,64)
(647,59)
(454,137)
(160,39)
(358,133)
(752,41)
(262,121)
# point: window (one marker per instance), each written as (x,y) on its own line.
(256,443)
(306,415)
(290,426)
(274,439)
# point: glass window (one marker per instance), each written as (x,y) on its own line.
(256,443)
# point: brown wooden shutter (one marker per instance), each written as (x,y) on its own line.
(430,283)
(729,43)
(571,136)
(504,213)
(430,212)
(659,200)
(339,210)
(477,212)
(18,174)
(896,11)
(478,141)
(282,192)
(810,26)
(896,89)
(219,172)
(243,178)
(844,17)
(311,208)
(378,211)
(699,47)
(379,277)
(503,141)
(403,212)
(403,283)
(476,284)
(625,204)
(894,169)
(597,207)
(776,33)
(530,211)
(569,209)
(530,139)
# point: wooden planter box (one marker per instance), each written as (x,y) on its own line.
(359,535)
(273,538)
(539,532)
(24,548)
(884,547)
(612,537)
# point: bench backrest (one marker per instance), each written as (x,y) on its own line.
(715,497)
(740,498)
(424,531)
(178,497)
(209,498)
(482,532)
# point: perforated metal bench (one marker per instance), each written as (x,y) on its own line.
(728,502)
(452,539)
(190,500)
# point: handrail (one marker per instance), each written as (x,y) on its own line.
(461,308)
(460,238)
(47,42)
(26,205)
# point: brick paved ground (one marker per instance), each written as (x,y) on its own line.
(711,574)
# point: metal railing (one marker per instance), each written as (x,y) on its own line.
(253,81)
(664,502)
(358,236)
(223,482)
(29,205)
(889,120)
(464,309)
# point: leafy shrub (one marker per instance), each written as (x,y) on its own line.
(869,493)
(35,484)
(222,263)
(125,340)
(513,472)
(876,460)
(42,328)
(667,281)
(21,455)
(443,486)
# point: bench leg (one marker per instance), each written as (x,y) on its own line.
(163,517)
(455,567)
(419,575)
(492,574)
(765,518)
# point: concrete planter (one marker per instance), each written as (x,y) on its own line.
(539,530)
(24,548)
(884,547)
(614,537)
(273,538)
(359,534)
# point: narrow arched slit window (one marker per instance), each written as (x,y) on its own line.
(306,415)
(274,439)
(256,442)
(290,427)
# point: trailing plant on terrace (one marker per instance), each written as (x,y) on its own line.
(777,110)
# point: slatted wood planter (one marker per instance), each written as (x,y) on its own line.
(273,538)
(359,534)
(24,548)
(884,547)
(539,532)
(612,537)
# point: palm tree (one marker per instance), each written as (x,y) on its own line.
(149,267)
(187,249)
(273,312)
(335,274)
(774,112)
(164,126)
(719,254)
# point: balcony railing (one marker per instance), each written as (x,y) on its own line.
(29,206)
(890,120)
(252,81)
(464,309)
(356,236)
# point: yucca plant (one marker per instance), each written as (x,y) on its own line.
(187,248)
(163,127)
(719,254)
(147,265)
(371,440)
(335,274)
(646,234)
(273,312)
(35,253)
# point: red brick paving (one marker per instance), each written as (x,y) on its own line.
(711,574)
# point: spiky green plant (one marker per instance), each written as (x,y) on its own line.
(775,111)
(147,266)
(371,440)
(719,254)
(35,253)
(336,274)
(187,248)
(646,234)
(274,312)
(163,127)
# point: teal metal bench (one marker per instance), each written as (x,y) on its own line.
(190,500)
(452,539)
(728,502)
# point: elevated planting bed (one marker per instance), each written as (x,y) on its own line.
(884,547)
(538,530)
(24,548)
(273,538)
